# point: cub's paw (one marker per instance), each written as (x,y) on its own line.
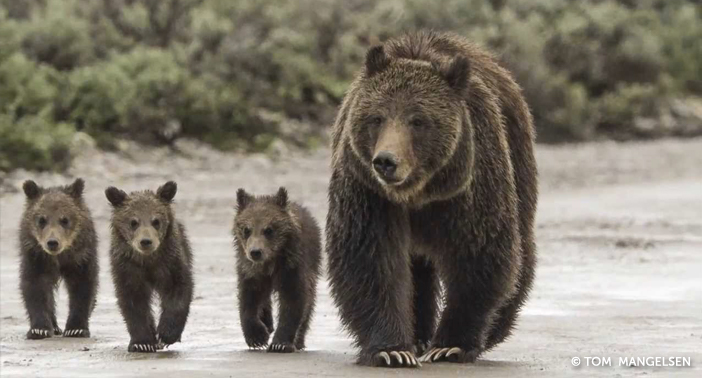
(142,348)
(395,359)
(256,335)
(166,338)
(450,354)
(57,331)
(281,348)
(76,333)
(38,333)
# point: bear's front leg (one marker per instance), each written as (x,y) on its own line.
(254,294)
(293,298)
(134,299)
(175,307)
(38,295)
(81,282)
(369,273)
(478,282)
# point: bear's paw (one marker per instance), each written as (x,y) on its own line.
(451,354)
(395,359)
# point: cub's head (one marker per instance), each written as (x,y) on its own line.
(407,119)
(54,216)
(262,225)
(143,218)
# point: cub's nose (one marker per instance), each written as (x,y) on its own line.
(146,243)
(385,163)
(256,254)
(53,245)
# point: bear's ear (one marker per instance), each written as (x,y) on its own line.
(167,191)
(115,196)
(75,190)
(376,60)
(456,72)
(31,189)
(243,199)
(281,198)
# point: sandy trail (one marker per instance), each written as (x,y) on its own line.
(620,272)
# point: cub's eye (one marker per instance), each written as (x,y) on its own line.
(64,221)
(156,223)
(42,222)
(417,122)
(134,223)
(375,121)
(268,232)
(247,232)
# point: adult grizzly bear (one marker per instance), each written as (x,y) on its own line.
(433,176)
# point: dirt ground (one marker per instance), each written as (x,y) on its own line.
(620,270)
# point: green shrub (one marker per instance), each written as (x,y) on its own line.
(35,143)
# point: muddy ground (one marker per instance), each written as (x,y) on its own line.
(620,269)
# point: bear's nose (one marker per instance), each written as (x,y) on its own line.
(53,244)
(256,254)
(385,163)
(145,243)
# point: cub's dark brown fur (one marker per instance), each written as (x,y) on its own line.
(57,240)
(150,252)
(278,249)
(433,177)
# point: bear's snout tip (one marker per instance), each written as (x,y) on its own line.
(385,165)
(52,245)
(256,254)
(146,243)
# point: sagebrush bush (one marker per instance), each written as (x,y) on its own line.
(238,74)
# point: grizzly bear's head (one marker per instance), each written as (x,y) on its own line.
(407,119)
(263,225)
(54,216)
(143,219)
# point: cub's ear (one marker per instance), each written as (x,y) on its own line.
(243,199)
(31,189)
(167,191)
(376,60)
(115,196)
(281,198)
(75,190)
(456,72)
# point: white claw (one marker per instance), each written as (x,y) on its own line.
(453,351)
(406,356)
(397,356)
(440,353)
(386,357)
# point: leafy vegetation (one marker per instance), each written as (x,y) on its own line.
(234,73)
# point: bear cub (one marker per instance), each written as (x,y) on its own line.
(57,240)
(150,252)
(278,249)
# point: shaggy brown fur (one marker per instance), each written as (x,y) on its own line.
(57,240)
(150,252)
(278,249)
(433,176)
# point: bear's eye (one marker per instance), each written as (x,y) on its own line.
(64,221)
(375,120)
(134,223)
(268,232)
(156,223)
(42,222)
(247,232)
(417,122)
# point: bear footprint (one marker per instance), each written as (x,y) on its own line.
(396,359)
